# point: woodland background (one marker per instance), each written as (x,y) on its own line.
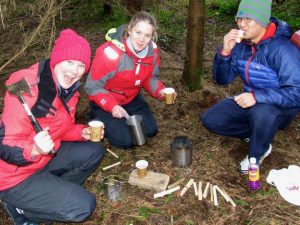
(27,31)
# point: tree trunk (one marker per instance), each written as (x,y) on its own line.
(134,6)
(106,9)
(193,68)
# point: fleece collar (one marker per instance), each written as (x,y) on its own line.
(141,54)
(270,33)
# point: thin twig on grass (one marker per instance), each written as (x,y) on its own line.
(2,18)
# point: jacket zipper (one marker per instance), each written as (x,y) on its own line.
(137,70)
(247,66)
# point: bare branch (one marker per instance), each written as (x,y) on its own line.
(46,18)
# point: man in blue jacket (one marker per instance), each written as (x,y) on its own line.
(261,53)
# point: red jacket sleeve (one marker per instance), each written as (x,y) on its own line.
(74,133)
(104,67)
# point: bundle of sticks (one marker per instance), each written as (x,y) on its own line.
(209,188)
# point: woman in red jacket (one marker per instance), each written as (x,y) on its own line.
(36,186)
(128,62)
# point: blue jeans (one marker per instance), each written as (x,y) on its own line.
(259,123)
(116,130)
(54,193)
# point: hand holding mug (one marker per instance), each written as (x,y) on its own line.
(86,133)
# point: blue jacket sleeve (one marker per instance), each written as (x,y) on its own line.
(224,68)
(285,60)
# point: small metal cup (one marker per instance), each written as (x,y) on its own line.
(113,188)
(181,151)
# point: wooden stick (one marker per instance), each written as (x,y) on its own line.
(115,164)
(195,188)
(215,196)
(111,152)
(229,199)
(222,193)
(200,190)
(232,202)
(176,183)
(211,193)
(187,186)
(169,191)
(206,190)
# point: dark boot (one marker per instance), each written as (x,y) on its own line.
(17,217)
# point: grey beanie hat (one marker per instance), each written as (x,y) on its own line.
(258,10)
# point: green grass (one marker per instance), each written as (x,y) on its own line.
(146,212)
(241,202)
(221,8)
(190,222)
(169,199)
(171,22)
(289,12)
(91,12)
(116,19)
(268,192)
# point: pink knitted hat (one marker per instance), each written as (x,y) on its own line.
(70,46)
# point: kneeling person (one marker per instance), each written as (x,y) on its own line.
(37,186)
(269,65)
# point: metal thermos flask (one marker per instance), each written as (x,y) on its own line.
(137,131)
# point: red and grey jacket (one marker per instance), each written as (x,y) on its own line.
(16,131)
(117,74)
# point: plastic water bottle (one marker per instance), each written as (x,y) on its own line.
(253,172)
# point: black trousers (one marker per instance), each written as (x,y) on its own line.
(55,192)
(116,130)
